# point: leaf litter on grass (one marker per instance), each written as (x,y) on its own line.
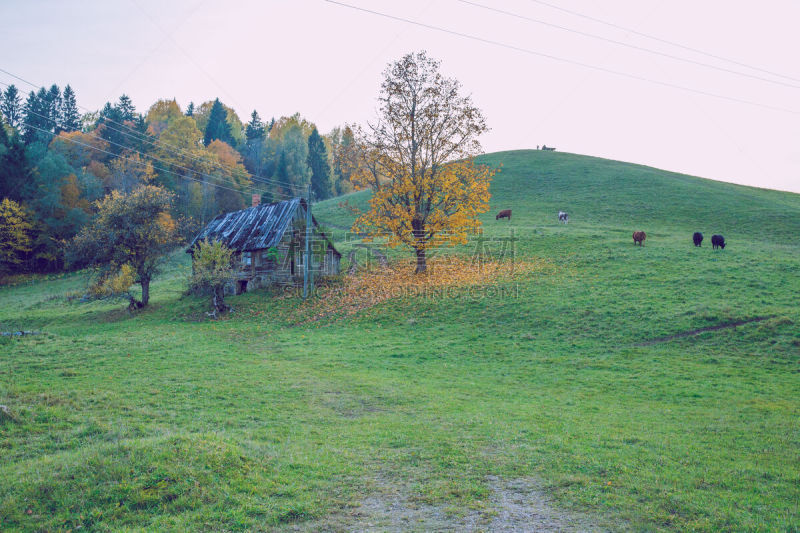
(446,277)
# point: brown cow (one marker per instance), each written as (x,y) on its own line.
(639,237)
(505,213)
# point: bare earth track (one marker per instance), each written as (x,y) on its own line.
(518,505)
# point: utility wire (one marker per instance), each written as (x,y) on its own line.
(564,60)
(129,159)
(143,137)
(216,178)
(95,136)
(628,45)
(665,41)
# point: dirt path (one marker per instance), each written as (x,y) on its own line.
(702,330)
(518,505)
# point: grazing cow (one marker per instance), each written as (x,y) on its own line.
(563,217)
(718,240)
(505,213)
(697,238)
(639,237)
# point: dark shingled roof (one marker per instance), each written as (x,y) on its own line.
(255,228)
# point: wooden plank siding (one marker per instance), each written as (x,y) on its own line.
(257,270)
(251,234)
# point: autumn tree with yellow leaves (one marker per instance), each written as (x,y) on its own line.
(15,234)
(211,270)
(418,159)
(133,229)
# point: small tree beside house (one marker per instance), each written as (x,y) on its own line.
(212,269)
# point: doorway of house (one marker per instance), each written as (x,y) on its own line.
(241,286)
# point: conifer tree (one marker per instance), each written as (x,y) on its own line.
(52,106)
(15,170)
(125,108)
(11,106)
(190,109)
(255,128)
(218,127)
(318,163)
(4,140)
(70,116)
(34,116)
(254,150)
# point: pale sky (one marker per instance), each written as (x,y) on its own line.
(325,61)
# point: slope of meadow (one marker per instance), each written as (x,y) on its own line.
(598,377)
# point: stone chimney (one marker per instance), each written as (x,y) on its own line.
(256,199)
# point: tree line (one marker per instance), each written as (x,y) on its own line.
(57,165)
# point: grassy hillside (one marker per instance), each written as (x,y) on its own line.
(597,377)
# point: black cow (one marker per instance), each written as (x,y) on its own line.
(718,241)
(697,238)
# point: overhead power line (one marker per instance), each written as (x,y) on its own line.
(665,41)
(145,138)
(628,45)
(129,159)
(154,158)
(210,176)
(564,60)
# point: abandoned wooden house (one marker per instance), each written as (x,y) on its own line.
(268,243)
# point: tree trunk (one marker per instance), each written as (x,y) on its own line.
(422,266)
(219,300)
(145,290)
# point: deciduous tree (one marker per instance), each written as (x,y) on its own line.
(226,166)
(162,114)
(130,171)
(15,235)
(80,148)
(292,161)
(211,270)
(134,229)
(278,129)
(417,158)
(341,140)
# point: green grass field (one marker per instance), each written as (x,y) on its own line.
(170,420)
